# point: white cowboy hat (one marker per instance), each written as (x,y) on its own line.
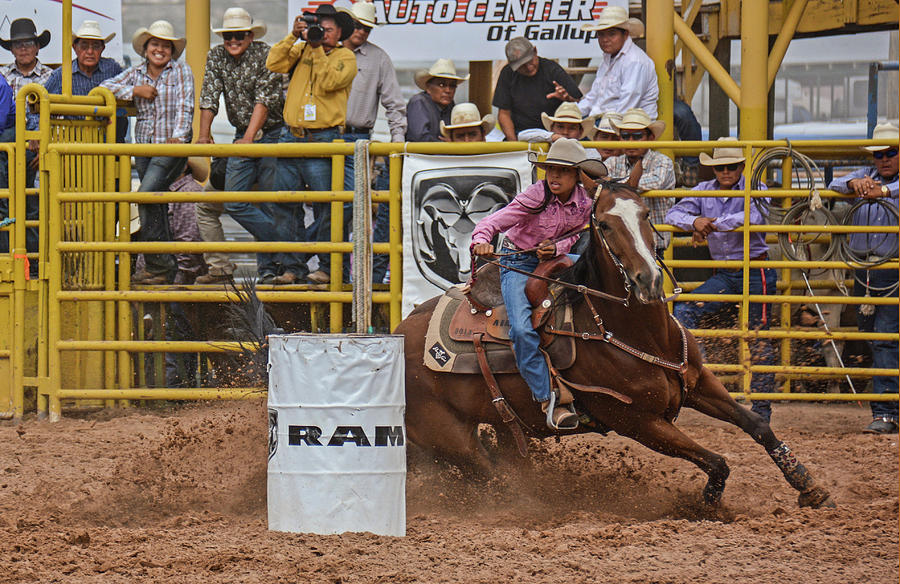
(161,29)
(466,115)
(637,119)
(723,155)
(567,113)
(90,29)
(443,68)
(604,124)
(616,17)
(884,132)
(569,152)
(237,19)
(362,12)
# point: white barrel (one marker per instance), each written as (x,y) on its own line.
(337,441)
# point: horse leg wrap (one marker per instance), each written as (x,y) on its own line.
(795,473)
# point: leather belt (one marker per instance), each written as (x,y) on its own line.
(357,130)
(763,256)
(303,132)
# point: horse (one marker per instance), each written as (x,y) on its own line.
(623,335)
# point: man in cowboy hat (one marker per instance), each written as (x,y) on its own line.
(315,110)
(604,131)
(90,68)
(529,86)
(643,168)
(626,76)
(24,42)
(254,101)
(877,184)
(466,124)
(426,110)
(566,122)
(713,220)
(375,81)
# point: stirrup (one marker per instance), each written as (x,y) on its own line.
(570,422)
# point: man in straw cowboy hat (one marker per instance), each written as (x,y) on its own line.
(375,81)
(254,101)
(604,131)
(162,88)
(713,220)
(315,110)
(546,210)
(877,184)
(466,124)
(626,76)
(529,86)
(643,168)
(566,122)
(90,68)
(24,43)
(426,110)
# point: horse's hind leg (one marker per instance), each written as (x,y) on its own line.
(664,437)
(711,398)
(449,437)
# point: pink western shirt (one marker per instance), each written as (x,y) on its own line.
(527,230)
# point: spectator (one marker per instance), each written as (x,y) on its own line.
(90,68)
(687,128)
(375,81)
(604,131)
(626,76)
(713,220)
(466,124)
(644,168)
(425,111)
(7,120)
(163,92)
(529,86)
(253,101)
(315,110)
(24,43)
(566,122)
(877,184)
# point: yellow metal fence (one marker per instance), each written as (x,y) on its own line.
(84,333)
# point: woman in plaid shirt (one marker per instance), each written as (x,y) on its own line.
(163,92)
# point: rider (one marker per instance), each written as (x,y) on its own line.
(532,221)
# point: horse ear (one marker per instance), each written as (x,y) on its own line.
(590,185)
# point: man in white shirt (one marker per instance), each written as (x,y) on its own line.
(626,76)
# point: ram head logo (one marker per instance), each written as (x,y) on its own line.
(448,204)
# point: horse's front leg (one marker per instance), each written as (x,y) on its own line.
(711,398)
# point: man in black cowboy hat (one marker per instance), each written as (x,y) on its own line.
(24,43)
(315,110)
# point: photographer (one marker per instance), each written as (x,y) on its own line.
(315,110)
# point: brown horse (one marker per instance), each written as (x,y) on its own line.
(444,410)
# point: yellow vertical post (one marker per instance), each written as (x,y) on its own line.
(124,279)
(745,289)
(337,234)
(196,19)
(54,383)
(395,261)
(786,276)
(754,69)
(481,89)
(67,47)
(661,48)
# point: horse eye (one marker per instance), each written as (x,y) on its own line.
(604,225)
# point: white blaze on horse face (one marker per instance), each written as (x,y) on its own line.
(630,213)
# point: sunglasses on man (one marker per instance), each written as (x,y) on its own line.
(729,167)
(889,153)
(236,35)
(361,26)
(635,135)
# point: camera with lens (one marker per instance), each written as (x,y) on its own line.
(314,31)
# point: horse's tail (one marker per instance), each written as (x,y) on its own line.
(250,325)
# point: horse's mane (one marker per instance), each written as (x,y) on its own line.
(587,270)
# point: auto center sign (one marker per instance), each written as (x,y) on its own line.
(477,30)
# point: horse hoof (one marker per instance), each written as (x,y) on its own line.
(816,498)
(712,497)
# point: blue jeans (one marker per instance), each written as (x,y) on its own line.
(157,174)
(761,350)
(240,175)
(884,353)
(381,229)
(526,340)
(292,175)
(31,201)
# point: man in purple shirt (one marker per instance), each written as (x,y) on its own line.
(878,186)
(711,220)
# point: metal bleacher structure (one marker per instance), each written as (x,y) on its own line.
(75,335)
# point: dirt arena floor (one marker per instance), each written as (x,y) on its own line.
(177,495)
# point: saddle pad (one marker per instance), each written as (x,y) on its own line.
(445,354)
(466,323)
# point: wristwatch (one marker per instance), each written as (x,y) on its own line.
(885,191)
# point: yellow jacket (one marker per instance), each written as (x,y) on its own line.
(320,80)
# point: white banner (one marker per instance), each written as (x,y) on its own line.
(47,15)
(444,197)
(477,30)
